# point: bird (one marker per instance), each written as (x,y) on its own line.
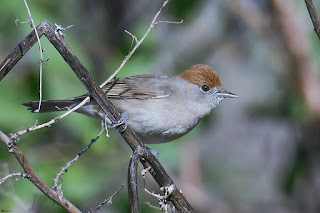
(159,108)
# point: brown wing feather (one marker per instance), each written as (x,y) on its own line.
(137,87)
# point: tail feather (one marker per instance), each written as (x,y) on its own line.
(50,105)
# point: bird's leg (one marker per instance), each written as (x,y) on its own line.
(104,126)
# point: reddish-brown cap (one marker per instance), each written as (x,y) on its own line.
(200,74)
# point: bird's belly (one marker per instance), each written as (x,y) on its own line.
(149,126)
(153,122)
(150,134)
(154,128)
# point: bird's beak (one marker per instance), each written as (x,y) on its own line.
(226,94)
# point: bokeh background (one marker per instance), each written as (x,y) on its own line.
(257,153)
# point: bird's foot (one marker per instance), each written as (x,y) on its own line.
(123,120)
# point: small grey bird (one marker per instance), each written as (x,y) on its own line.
(159,108)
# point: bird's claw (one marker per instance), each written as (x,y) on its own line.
(123,120)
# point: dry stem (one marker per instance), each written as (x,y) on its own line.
(41,52)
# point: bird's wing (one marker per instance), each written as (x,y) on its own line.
(138,87)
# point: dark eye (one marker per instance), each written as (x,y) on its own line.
(205,88)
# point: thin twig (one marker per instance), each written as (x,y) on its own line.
(14,174)
(169,22)
(92,141)
(42,61)
(154,22)
(59,28)
(57,186)
(134,38)
(107,201)
(314,16)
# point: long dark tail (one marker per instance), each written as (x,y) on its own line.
(51,105)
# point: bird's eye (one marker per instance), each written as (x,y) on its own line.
(205,88)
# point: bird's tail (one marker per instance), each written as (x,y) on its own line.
(51,105)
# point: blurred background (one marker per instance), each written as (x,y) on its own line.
(256,153)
